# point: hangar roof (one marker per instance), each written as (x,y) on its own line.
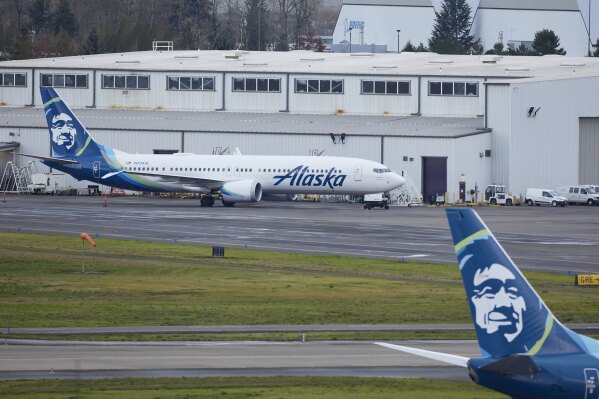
(540,5)
(310,63)
(233,122)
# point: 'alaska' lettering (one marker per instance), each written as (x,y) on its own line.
(301,177)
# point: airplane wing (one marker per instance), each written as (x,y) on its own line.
(442,357)
(175,179)
(57,160)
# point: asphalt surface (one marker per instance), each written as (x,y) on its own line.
(584,328)
(563,240)
(108,360)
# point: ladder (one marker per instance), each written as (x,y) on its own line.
(407,194)
(16,179)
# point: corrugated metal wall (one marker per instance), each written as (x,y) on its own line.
(588,169)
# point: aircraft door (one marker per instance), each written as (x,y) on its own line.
(591,378)
(96,169)
(358,172)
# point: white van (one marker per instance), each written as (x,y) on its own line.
(580,194)
(544,196)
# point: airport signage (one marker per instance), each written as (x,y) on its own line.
(587,279)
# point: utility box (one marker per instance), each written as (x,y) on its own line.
(218,252)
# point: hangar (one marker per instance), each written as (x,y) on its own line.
(521,121)
(506,21)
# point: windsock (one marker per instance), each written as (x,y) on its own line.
(86,237)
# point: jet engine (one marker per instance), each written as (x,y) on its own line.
(241,191)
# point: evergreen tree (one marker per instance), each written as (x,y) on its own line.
(256,16)
(64,44)
(596,52)
(547,42)
(451,30)
(39,14)
(408,47)
(64,19)
(520,50)
(92,43)
(421,49)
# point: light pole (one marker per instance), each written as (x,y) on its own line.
(589,28)
(350,29)
(399,30)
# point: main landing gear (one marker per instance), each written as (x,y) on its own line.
(207,200)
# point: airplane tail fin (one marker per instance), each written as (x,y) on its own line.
(509,316)
(68,136)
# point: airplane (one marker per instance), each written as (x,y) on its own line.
(237,178)
(526,352)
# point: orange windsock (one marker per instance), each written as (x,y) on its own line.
(86,237)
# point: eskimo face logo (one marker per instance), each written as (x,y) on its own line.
(63,131)
(497,301)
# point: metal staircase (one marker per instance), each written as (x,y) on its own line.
(17,179)
(406,195)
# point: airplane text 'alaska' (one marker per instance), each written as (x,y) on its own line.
(301,177)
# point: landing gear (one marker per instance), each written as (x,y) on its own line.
(207,200)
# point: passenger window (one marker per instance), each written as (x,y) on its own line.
(576,191)
(583,191)
(546,194)
(571,190)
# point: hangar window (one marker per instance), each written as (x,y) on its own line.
(453,88)
(261,85)
(319,86)
(185,83)
(64,80)
(394,87)
(13,79)
(135,82)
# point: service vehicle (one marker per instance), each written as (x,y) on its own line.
(544,196)
(580,194)
(378,200)
(496,194)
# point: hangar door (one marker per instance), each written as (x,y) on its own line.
(434,177)
(588,151)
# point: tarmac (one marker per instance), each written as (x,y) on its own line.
(561,240)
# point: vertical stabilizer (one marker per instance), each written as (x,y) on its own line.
(509,316)
(68,136)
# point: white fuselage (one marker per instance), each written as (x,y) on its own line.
(276,174)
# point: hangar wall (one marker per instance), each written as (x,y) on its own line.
(543,149)
(351,99)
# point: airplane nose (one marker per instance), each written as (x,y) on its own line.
(397,180)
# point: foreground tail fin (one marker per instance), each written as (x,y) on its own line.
(68,136)
(509,316)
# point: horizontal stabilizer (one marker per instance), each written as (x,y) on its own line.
(51,159)
(442,357)
(107,175)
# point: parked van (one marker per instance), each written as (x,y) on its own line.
(544,196)
(580,194)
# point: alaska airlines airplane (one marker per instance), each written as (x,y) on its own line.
(526,352)
(237,178)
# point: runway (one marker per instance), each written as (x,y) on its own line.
(538,238)
(109,360)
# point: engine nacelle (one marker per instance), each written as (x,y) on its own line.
(241,191)
(279,197)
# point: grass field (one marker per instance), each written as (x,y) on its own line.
(137,283)
(243,388)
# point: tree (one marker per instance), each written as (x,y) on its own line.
(39,15)
(408,47)
(64,18)
(256,31)
(596,52)
(547,42)
(421,49)
(520,50)
(92,43)
(451,30)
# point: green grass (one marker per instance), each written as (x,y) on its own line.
(243,388)
(138,283)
